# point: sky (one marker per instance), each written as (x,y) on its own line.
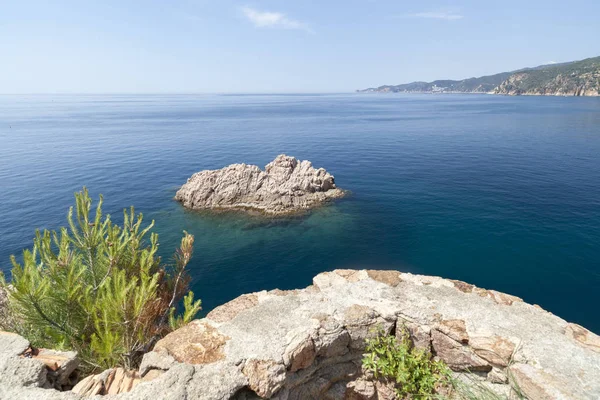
(280,46)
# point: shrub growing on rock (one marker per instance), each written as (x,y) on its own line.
(99,288)
(413,372)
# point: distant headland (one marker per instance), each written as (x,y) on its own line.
(575,78)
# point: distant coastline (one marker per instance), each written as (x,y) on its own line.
(576,78)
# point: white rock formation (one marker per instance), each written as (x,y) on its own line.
(285,186)
(308,344)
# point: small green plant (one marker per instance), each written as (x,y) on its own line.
(99,288)
(413,372)
(416,376)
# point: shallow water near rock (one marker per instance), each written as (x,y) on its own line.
(500,192)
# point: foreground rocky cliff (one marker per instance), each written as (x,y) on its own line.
(308,344)
(286,186)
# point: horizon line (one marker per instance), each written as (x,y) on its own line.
(166,93)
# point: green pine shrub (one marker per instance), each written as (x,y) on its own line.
(413,372)
(99,288)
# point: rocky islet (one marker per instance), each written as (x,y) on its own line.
(286,186)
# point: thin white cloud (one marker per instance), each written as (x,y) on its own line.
(445,15)
(269,19)
(550,62)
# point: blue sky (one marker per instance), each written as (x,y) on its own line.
(216,46)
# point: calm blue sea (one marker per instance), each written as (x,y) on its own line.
(501,192)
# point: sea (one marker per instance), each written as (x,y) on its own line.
(500,192)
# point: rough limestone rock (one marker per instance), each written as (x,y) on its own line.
(156,361)
(308,344)
(286,186)
(4,311)
(3,298)
(61,366)
(23,366)
(113,382)
(11,346)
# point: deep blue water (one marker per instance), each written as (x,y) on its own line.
(501,192)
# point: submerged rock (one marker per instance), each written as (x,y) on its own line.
(286,186)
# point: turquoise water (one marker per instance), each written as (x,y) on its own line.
(501,192)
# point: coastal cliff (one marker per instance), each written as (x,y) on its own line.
(286,186)
(308,344)
(577,78)
(580,78)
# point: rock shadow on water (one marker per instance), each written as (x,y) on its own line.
(248,219)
